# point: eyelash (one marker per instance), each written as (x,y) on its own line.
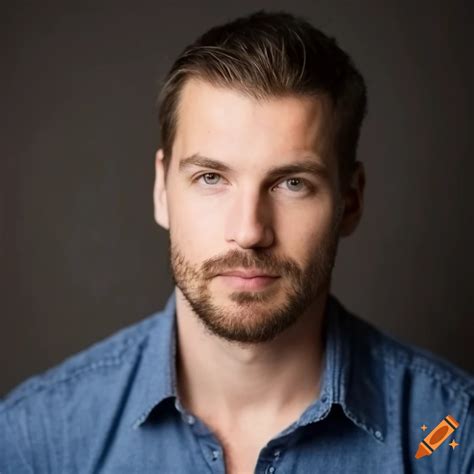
(307,185)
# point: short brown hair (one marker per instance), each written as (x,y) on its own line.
(271,54)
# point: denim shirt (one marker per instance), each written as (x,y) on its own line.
(113,408)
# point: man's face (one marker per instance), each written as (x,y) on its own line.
(284,224)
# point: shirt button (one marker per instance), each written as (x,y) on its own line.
(378,434)
(215,454)
(271,469)
(190,419)
(276,453)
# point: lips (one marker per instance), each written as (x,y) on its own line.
(247,284)
(248,274)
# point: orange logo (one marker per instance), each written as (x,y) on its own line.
(437,437)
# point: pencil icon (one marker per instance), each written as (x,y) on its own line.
(436,437)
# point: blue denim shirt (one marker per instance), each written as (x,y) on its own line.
(113,408)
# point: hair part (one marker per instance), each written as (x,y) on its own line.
(268,55)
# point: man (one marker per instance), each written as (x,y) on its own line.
(253,366)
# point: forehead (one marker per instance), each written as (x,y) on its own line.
(219,121)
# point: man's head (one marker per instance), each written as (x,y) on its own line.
(279,106)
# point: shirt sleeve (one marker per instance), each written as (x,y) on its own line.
(13,446)
(31,432)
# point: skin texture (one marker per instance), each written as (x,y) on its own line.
(242,353)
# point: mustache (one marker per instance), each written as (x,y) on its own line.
(262,263)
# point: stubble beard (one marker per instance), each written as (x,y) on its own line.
(250,317)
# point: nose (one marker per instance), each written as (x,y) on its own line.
(249,221)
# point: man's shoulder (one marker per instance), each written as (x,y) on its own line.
(105,356)
(417,364)
(409,387)
(74,404)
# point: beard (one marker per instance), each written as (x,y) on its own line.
(249,317)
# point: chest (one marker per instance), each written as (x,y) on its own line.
(180,449)
(240,455)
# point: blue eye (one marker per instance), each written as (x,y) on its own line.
(206,175)
(211,179)
(299,180)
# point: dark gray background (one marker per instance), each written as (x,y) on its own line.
(80,253)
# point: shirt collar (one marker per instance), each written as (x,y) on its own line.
(156,375)
(352,377)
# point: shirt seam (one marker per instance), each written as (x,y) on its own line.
(452,383)
(112,359)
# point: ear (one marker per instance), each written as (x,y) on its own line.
(353,197)
(159,193)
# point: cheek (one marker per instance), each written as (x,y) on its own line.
(306,235)
(193,226)
(305,222)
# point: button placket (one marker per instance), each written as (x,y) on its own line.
(271,469)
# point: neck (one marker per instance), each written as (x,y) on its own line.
(221,380)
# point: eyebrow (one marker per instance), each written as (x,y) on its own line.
(307,165)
